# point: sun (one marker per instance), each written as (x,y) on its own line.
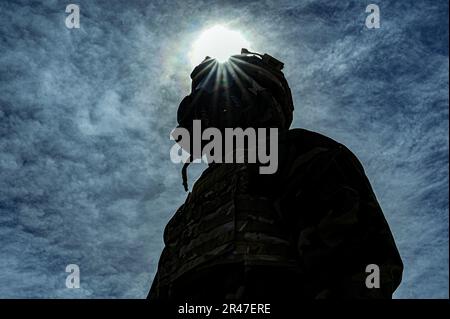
(217,42)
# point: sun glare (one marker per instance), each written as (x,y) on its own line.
(217,42)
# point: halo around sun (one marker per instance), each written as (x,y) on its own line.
(217,42)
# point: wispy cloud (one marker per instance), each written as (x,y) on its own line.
(85,175)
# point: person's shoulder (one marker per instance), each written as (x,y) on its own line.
(305,141)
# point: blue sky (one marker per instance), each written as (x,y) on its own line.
(85,116)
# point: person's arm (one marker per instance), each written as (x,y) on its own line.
(338,226)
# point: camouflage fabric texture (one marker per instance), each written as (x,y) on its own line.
(307,231)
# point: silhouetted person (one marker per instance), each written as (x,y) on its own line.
(307,231)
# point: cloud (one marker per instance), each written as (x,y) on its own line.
(85,116)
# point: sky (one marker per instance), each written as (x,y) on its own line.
(85,117)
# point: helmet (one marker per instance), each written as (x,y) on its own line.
(248,90)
